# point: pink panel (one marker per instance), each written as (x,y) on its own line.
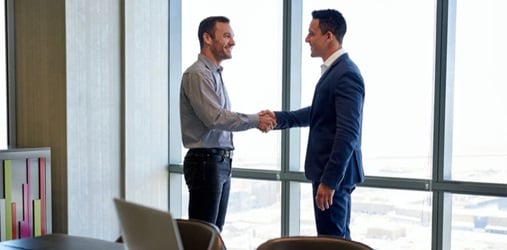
(42,194)
(24,225)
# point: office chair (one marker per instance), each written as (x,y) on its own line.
(198,234)
(312,242)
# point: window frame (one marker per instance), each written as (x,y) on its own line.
(441,187)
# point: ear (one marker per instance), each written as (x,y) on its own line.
(207,38)
(329,35)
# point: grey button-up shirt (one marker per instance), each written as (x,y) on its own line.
(205,116)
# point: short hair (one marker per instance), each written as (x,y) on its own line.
(208,26)
(331,20)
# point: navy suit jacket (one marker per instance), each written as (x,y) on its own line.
(333,154)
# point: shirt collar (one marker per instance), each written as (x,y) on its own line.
(330,60)
(209,64)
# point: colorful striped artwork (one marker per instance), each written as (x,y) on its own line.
(23,198)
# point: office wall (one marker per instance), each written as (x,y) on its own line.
(94,109)
(91,83)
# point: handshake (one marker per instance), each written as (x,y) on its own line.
(267,120)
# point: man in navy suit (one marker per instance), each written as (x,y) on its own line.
(333,156)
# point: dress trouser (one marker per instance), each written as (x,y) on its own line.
(335,220)
(208,178)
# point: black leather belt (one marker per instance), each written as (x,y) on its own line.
(204,152)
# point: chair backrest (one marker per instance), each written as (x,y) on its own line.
(198,234)
(312,242)
(147,228)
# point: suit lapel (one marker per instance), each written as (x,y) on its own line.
(323,77)
(336,62)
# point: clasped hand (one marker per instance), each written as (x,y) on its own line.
(267,120)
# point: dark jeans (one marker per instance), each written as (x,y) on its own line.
(335,220)
(208,178)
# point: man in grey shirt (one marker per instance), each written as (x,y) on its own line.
(207,124)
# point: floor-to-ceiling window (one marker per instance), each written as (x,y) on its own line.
(434,132)
(253,77)
(479,117)
(477,122)
(396,60)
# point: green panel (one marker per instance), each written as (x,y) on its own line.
(8,199)
(36,218)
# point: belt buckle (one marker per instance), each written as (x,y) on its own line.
(228,153)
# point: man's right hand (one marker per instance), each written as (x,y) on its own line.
(267,120)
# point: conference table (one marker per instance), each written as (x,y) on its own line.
(60,242)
